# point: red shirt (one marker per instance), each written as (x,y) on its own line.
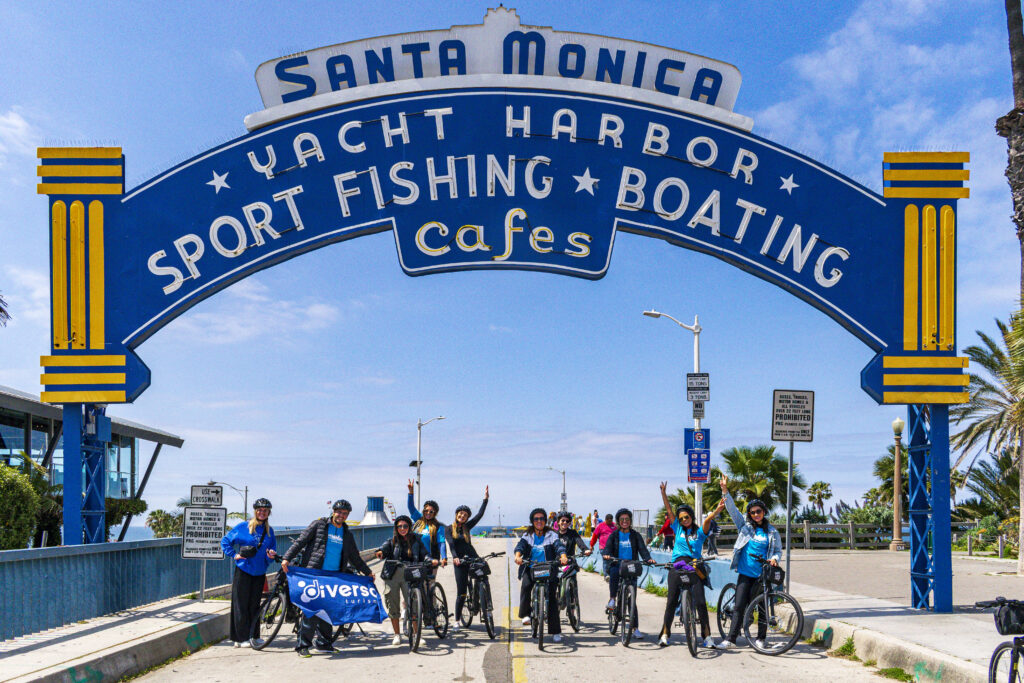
(601,534)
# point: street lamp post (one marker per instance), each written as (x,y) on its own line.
(244,494)
(565,505)
(698,499)
(897,486)
(419,444)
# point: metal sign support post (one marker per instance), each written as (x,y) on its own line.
(202,582)
(789,512)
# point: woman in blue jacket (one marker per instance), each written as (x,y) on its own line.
(426,526)
(757,539)
(540,544)
(252,545)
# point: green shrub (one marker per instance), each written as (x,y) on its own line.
(19,510)
(847,650)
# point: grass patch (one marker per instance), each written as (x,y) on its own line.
(895,673)
(870,662)
(847,650)
(184,653)
(660,591)
(816,639)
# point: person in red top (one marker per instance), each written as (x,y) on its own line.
(668,533)
(602,532)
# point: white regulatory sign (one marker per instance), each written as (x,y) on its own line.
(208,496)
(698,410)
(698,386)
(792,415)
(203,529)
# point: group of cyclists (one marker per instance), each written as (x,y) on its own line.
(420,539)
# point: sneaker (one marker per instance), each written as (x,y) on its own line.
(557,638)
(303,652)
(326,650)
(663,641)
(455,625)
(759,644)
(397,640)
(725,644)
(637,634)
(611,604)
(526,621)
(709,642)
(238,645)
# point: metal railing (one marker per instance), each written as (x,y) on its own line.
(48,587)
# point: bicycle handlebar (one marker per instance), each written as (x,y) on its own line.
(998,602)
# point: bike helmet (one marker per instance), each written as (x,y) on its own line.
(538,511)
(403,518)
(463,508)
(432,504)
(683,507)
(623,511)
(757,503)
(566,514)
(262,503)
(342,504)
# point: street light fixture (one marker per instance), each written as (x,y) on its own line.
(696,329)
(897,488)
(565,505)
(244,494)
(419,461)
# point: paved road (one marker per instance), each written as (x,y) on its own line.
(590,655)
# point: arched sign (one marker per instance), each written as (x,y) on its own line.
(500,147)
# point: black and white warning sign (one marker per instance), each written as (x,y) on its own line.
(792,415)
(203,529)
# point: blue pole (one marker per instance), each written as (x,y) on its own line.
(942,564)
(919,509)
(72,473)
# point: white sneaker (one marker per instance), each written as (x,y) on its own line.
(709,642)
(557,637)
(611,604)
(397,640)
(526,621)
(245,643)
(663,641)
(759,644)
(238,645)
(725,644)
(637,634)
(455,625)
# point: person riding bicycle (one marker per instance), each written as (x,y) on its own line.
(406,548)
(252,545)
(426,526)
(757,538)
(624,544)
(539,544)
(330,546)
(569,537)
(687,548)
(461,543)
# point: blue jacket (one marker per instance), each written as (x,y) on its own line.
(746,532)
(437,547)
(240,536)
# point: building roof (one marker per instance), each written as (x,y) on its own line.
(22,402)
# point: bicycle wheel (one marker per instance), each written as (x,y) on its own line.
(440,605)
(572,605)
(628,601)
(613,619)
(726,602)
(1000,666)
(414,618)
(469,606)
(483,589)
(539,604)
(269,619)
(689,615)
(785,622)
(342,631)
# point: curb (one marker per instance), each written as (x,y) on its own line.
(923,663)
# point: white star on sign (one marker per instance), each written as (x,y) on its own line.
(586,182)
(787,184)
(219,181)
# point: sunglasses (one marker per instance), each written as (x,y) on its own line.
(403,526)
(757,511)
(540,519)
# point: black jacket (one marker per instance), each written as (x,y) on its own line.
(314,541)
(635,539)
(461,547)
(414,552)
(571,540)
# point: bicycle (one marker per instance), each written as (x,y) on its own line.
(1006,664)
(625,599)
(276,608)
(543,573)
(479,599)
(419,609)
(688,617)
(784,625)
(569,594)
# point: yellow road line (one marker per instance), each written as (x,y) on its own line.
(515,648)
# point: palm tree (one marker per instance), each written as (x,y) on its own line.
(994,413)
(818,493)
(995,482)
(884,469)
(760,472)
(4,313)
(1011,126)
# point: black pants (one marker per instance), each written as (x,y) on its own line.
(612,569)
(675,591)
(246,591)
(314,630)
(747,588)
(526,606)
(461,585)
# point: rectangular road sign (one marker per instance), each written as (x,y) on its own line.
(203,529)
(698,410)
(698,468)
(792,415)
(698,386)
(696,438)
(207,496)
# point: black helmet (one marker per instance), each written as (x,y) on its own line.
(432,504)
(463,508)
(538,511)
(403,518)
(262,503)
(564,513)
(342,504)
(623,511)
(757,503)
(683,507)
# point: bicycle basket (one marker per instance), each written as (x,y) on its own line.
(540,571)
(416,573)
(630,568)
(687,579)
(479,569)
(774,575)
(1010,619)
(390,567)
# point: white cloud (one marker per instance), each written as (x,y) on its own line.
(17,136)
(27,292)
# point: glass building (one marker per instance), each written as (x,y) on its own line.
(29,426)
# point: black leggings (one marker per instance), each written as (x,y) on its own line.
(526,606)
(612,569)
(747,588)
(696,594)
(246,591)
(461,584)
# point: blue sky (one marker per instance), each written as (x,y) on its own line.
(305,381)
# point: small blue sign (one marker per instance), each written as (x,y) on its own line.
(698,465)
(696,438)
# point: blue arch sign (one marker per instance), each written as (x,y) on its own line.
(500,146)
